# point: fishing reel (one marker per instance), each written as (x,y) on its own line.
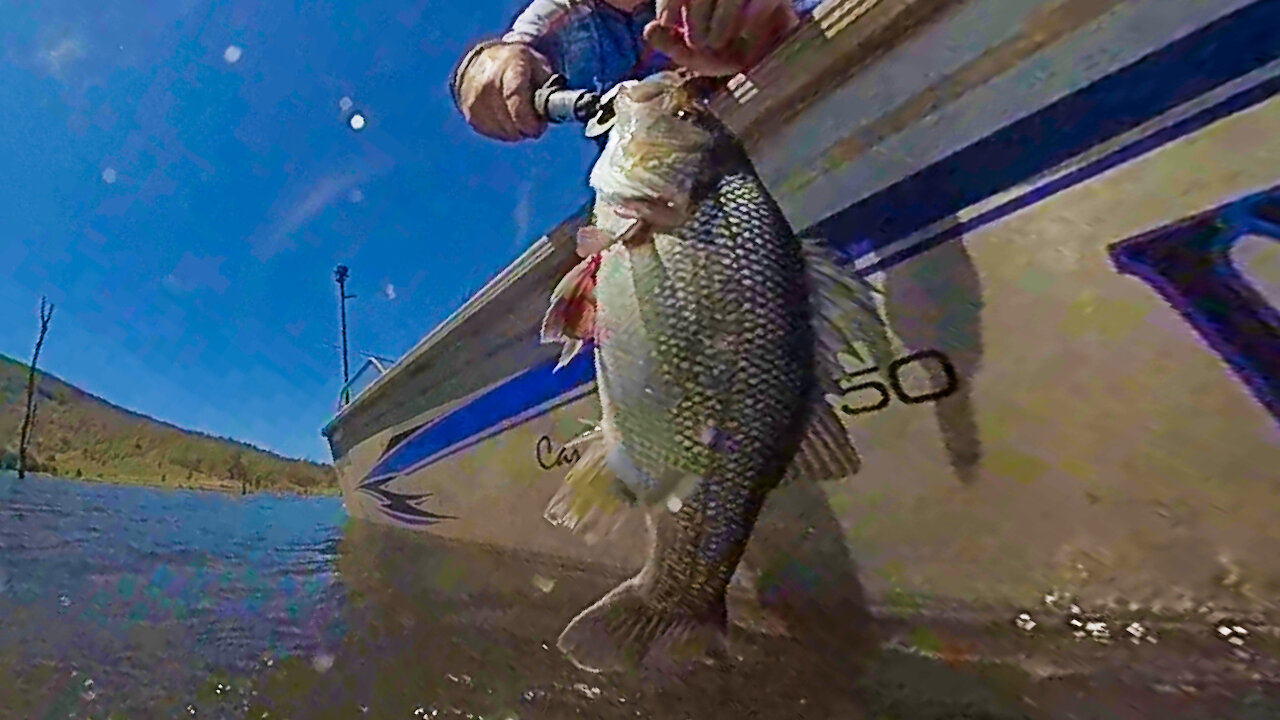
(556,103)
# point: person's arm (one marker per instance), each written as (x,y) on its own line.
(493,84)
(539,21)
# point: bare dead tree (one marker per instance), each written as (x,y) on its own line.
(29,419)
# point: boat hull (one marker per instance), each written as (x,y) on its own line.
(1087,386)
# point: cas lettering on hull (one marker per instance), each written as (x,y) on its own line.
(551,456)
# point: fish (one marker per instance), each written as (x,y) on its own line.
(715,330)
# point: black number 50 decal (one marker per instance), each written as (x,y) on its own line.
(894,371)
(849,409)
(948,373)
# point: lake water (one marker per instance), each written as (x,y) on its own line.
(128,602)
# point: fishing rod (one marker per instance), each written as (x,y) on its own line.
(381,358)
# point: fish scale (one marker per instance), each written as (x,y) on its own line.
(716,280)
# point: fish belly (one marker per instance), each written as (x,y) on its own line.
(705,351)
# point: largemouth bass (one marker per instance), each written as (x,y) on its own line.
(715,334)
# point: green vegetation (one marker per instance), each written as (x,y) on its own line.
(78,435)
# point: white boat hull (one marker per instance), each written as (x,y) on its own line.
(1080,252)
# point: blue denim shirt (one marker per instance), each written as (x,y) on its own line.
(593,44)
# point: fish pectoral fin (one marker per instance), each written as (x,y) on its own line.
(589,501)
(571,349)
(572,313)
(825,451)
(622,630)
(592,240)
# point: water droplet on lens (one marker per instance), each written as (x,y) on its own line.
(322,662)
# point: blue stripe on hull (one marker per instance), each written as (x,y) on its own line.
(1233,104)
(489,414)
(1179,72)
(1185,69)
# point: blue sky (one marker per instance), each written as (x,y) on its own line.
(185,212)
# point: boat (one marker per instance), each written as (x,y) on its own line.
(1072,208)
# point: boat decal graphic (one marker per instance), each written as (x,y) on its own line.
(398,439)
(405,507)
(1189,264)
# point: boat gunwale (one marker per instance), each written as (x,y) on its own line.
(542,248)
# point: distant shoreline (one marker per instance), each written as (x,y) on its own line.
(82,436)
(225,488)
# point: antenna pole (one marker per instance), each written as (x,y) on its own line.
(340,274)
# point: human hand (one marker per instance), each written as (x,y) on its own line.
(495,92)
(719,37)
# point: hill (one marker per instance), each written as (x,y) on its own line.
(80,435)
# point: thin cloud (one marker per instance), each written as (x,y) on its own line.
(59,54)
(277,236)
(390,291)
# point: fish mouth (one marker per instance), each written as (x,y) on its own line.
(660,215)
(677,94)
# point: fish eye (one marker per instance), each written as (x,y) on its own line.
(689,113)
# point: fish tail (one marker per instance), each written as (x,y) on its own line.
(624,629)
(673,613)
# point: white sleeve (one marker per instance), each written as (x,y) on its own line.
(542,17)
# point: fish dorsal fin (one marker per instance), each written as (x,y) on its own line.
(848,324)
(846,318)
(825,451)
